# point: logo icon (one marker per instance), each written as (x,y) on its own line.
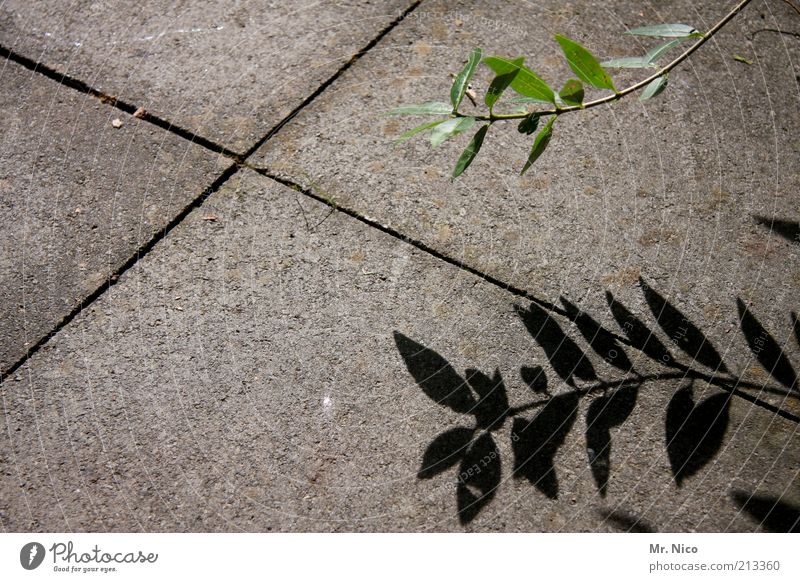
(31,555)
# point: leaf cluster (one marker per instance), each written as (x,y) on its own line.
(531,88)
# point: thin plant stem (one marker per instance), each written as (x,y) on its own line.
(628,90)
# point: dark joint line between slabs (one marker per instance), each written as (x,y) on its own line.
(81,87)
(332,79)
(238,162)
(115,277)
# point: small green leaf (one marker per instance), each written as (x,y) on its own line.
(584,64)
(529,100)
(628,63)
(653,88)
(526,82)
(429,108)
(572,93)
(741,59)
(529,124)
(656,53)
(666,31)
(501,82)
(412,132)
(518,110)
(539,144)
(462,79)
(470,152)
(450,128)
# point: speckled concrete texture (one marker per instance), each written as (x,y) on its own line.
(246,376)
(339,338)
(226,71)
(78,196)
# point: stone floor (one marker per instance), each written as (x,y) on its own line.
(231,303)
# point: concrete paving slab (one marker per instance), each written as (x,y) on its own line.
(78,197)
(270,370)
(681,190)
(226,72)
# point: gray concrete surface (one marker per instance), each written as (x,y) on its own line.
(79,196)
(227,72)
(667,189)
(266,365)
(244,376)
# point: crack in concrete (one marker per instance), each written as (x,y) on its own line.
(130,109)
(237,159)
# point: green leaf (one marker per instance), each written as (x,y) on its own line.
(656,53)
(470,152)
(526,82)
(741,59)
(529,124)
(462,79)
(666,31)
(429,108)
(412,132)
(653,88)
(539,144)
(501,82)
(628,63)
(572,93)
(529,100)
(518,110)
(584,64)
(449,128)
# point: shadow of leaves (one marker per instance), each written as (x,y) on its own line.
(605,413)
(694,432)
(773,514)
(788,229)
(766,349)
(479,477)
(602,341)
(536,442)
(564,355)
(639,335)
(445,451)
(626,522)
(683,332)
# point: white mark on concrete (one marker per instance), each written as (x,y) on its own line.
(180,31)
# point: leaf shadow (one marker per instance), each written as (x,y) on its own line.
(602,341)
(765,348)
(625,521)
(564,355)
(788,229)
(681,330)
(445,451)
(536,442)
(639,335)
(437,378)
(772,514)
(694,432)
(604,413)
(479,477)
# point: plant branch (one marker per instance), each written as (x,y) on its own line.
(633,88)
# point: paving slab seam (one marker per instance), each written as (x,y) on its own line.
(115,102)
(330,80)
(114,277)
(517,291)
(237,159)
